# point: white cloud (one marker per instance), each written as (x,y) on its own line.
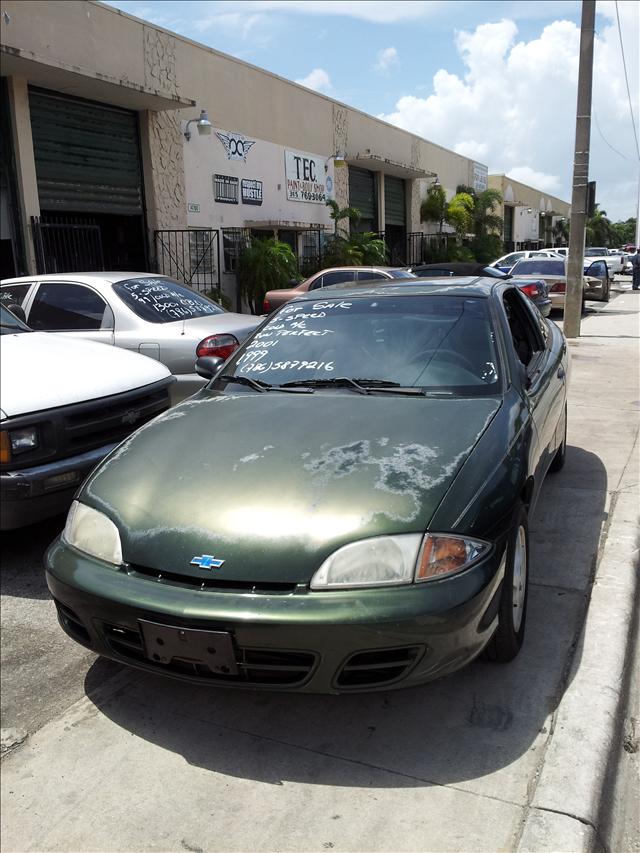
(376,11)
(318,80)
(387,59)
(514,107)
(233,23)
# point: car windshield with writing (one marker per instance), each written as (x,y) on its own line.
(436,344)
(539,266)
(162,300)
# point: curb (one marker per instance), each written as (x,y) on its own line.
(567,801)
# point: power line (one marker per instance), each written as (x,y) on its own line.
(626,78)
(624,156)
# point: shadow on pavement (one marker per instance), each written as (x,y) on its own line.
(23,550)
(483,719)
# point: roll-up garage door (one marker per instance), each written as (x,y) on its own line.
(394,201)
(362,194)
(87,156)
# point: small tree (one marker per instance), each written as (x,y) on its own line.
(264,265)
(599,229)
(339,214)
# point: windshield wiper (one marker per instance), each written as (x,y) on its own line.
(362,386)
(256,384)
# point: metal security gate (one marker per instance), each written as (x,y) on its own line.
(395,218)
(191,256)
(67,245)
(87,156)
(362,195)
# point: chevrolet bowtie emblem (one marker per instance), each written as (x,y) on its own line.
(207,561)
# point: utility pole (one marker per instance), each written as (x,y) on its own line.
(575,262)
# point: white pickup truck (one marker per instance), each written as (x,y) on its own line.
(65,405)
(615,263)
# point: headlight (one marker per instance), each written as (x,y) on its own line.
(16,441)
(396,560)
(92,532)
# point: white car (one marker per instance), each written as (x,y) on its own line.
(65,404)
(615,263)
(144,312)
(506,262)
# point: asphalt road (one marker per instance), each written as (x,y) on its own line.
(454,761)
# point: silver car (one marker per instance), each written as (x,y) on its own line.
(144,312)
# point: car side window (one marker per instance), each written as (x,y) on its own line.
(335,277)
(67,306)
(363,275)
(438,273)
(14,294)
(526,337)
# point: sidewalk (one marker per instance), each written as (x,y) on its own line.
(492,758)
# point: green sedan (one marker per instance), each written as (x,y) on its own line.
(343,507)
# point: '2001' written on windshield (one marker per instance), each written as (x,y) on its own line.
(260,355)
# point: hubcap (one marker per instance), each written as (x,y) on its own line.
(519,578)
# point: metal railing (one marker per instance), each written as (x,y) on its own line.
(189,255)
(67,245)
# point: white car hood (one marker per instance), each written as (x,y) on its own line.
(40,371)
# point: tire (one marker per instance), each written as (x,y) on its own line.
(512,610)
(557,463)
(606,292)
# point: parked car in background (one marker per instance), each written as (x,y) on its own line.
(563,251)
(534,288)
(65,404)
(615,263)
(371,530)
(506,262)
(326,278)
(147,313)
(553,271)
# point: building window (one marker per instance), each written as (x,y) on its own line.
(201,249)
(233,242)
(225,189)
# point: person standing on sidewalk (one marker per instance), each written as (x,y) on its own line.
(635,263)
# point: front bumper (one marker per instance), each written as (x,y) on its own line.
(33,494)
(316,642)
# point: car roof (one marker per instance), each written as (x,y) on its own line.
(108,276)
(471,286)
(356,267)
(462,267)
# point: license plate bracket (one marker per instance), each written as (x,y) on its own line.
(213,649)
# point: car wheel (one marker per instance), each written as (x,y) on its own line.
(557,463)
(606,292)
(512,610)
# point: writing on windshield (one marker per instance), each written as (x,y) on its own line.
(421,341)
(162,300)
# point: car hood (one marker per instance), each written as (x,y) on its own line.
(40,371)
(273,483)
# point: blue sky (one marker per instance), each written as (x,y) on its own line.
(492,80)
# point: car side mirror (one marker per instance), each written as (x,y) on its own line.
(17,311)
(208,366)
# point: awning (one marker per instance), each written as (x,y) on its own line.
(86,83)
(378,163)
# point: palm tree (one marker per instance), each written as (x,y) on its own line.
(264,265)
(599,229)
(561,231)
(485,220)
(434,206)
(338,214)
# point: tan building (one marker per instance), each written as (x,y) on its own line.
(101,169)
(529,215)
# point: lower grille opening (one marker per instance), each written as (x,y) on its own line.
(379,666)
(275,667)
(72,623)
(212,583)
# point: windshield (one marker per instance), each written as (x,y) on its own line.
(541,266)
(163,300)
(442,344)
(401,274)
(9,323)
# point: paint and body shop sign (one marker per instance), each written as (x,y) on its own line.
(305,177)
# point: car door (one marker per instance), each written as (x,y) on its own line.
(71,308)
(544,385)
(599,275)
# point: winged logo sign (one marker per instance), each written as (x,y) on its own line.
(236,145)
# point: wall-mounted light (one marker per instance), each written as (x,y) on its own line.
(203,124)
(339,160)
(529,210)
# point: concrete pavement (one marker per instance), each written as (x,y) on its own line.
(492,758)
